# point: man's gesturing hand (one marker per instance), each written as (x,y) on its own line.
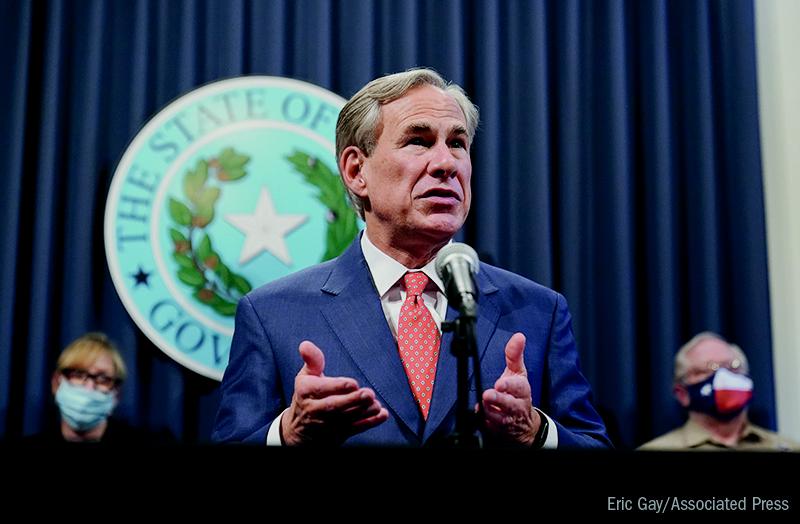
(508,408)
(327,410)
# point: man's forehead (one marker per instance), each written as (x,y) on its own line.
(424,106)
(711,349)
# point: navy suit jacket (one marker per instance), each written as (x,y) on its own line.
(336,306)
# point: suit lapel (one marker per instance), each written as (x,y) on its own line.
(356,316)
(445,388)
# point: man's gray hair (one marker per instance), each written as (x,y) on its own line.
(682,358)
(360,118)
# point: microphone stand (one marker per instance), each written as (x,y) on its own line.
(467,431)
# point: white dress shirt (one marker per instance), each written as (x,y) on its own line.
(387,274)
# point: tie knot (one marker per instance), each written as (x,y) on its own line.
(415,283)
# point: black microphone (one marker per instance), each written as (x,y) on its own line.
(456,264)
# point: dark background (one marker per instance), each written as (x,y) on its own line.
(617,161)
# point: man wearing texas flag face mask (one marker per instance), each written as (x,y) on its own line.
(712,383)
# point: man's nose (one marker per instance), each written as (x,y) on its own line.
(443,163)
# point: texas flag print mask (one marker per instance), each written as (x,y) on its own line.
(723,395)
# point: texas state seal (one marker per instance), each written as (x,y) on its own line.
(229,187)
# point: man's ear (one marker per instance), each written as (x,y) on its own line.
(351,163)
(680,393)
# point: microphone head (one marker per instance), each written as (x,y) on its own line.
(455,250)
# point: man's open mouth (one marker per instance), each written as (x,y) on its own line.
(441,193)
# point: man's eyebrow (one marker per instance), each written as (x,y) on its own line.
(413,129)
(420,128)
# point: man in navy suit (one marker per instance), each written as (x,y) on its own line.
(315,358)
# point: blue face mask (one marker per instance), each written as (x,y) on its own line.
(723,395)
(83,408)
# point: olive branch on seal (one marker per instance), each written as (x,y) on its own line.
(342,224)
(200,266)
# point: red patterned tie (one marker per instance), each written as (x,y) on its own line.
(418,341)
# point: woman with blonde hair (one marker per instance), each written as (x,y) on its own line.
(86,386)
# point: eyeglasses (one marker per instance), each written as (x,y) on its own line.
(711,366)
(101,381)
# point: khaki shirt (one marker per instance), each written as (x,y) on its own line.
(692,436)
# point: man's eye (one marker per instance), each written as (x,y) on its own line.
(458,143)
(416,141)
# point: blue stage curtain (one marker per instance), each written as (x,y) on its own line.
(618,161)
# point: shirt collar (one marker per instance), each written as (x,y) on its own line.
(696,435)
(386,271)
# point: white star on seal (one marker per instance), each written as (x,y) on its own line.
(265,230)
